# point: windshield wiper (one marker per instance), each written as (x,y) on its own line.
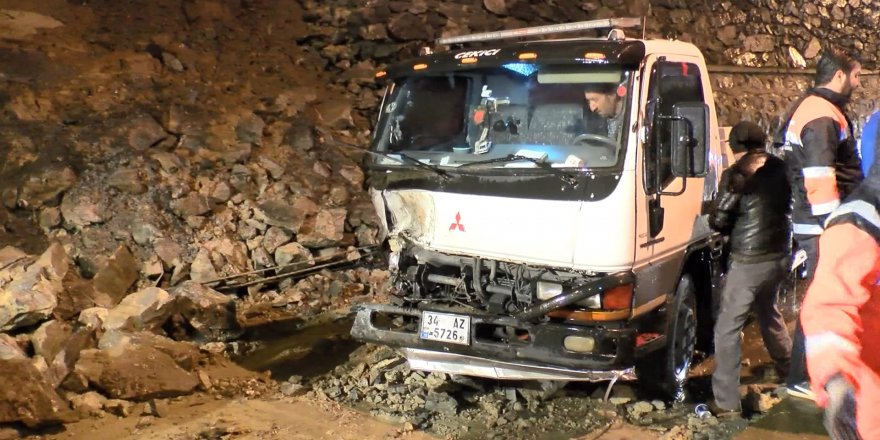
(565,177)
(401,158)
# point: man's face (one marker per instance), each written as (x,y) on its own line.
(603,104)
(852,80)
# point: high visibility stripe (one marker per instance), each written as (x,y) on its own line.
(861,208)
(824,208)
(821,192)
(828,341)
(805,229)
(816,172)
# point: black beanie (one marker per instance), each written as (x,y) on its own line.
(745,136)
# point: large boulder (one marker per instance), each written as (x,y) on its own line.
(146,309)
(139,367)
(117,275)
(28,296)
(26,398)
(209,314)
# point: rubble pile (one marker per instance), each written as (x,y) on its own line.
(166,155)
(378,380)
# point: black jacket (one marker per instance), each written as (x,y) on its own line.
(823,162)
(754,208)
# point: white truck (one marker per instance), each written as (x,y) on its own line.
(533,237)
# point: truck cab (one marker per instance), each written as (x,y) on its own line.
(545,207)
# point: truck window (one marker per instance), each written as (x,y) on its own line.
(671,83)
(545,112)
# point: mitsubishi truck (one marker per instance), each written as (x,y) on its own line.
(545,204)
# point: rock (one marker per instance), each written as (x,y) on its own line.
(146,309)
(202,269)
(25,397)
(80,210)
(336,114)
(170,61)
(144,132)
(812,49)
(117,275)
(144,233)
(50,218)
(9,348)
(795,58)
(88,404)
(31,296)
(65,360)
(324,230)
(50,338)
(130,370)
(22,25)
(194,204)
(128,181)
(497,7)
(758,401)
(275,170)
(93,317)
(291,253)
(249,129)
(44,187)
(10,255)
(209,314)
(169,162)
(117,407)
(287,215)
(205,381)
(222,192)
(168,251)
(354,175)
(374,32)
(152,268)
(275,237)
(408,27)
(759,43)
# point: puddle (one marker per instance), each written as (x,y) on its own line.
(289,348)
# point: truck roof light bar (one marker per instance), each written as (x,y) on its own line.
(606,23)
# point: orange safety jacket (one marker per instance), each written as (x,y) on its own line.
(841,312)
(824,164)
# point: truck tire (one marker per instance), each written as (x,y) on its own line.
(663,373)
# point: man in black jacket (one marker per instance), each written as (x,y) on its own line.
(753,208)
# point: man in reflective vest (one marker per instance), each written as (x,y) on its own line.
(841,316)
(824,167)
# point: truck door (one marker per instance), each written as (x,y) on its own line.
(672,205)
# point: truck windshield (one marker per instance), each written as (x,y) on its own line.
(565,116)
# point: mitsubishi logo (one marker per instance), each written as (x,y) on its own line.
(457,224)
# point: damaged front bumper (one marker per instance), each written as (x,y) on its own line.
(540,353)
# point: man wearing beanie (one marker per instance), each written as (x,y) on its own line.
(752,208)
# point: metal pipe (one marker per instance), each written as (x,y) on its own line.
(577,294)
(443,279)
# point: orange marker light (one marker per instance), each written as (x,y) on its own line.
(381,73)
(528,56)
(421,66)
(594,56)
(470,60)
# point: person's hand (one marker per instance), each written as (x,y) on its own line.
(840,414)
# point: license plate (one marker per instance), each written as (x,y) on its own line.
(446,327)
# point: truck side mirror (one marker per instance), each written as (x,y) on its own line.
(690,139)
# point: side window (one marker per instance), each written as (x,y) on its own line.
(671,83)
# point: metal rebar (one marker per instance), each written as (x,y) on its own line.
(284,266)
(290,274)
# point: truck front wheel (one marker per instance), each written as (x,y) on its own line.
(663,372)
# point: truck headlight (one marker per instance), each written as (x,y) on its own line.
(547,290)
